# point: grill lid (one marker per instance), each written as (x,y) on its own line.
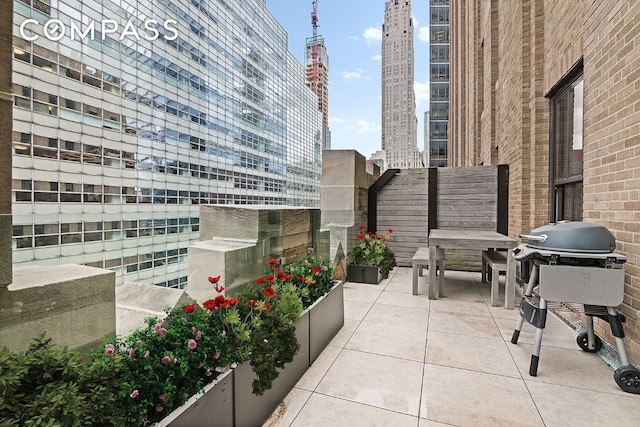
(572,236)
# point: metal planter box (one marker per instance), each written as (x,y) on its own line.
(363,274)
(326,319)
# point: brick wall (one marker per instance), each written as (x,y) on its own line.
(612,139)
(525,49)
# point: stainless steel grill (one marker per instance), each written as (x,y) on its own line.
(574,263)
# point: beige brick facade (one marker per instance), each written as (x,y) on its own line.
(505,58)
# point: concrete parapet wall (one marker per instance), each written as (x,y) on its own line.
(344,200)
(73,304)
(237,241)
(237,262)
(135,302)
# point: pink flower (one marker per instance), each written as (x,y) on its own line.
(109,349)
(166,359)
(163,398)
(132,353)
(200,365)
(198,335)
(146,353)
(208,373)
(134,394)
(224,333)
(159,408)
(160,330)
(217,355)
(192,344)
(139,342)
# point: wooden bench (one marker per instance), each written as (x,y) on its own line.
(420,261)
(497,261)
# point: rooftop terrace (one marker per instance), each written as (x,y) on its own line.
(405,360)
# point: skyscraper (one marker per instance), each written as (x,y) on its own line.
(127,116)
(439,83)
(399,123)
(317,73)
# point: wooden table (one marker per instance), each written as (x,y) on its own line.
(440,239)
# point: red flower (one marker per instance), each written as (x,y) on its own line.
(233,301)
(219,288)
(360,236)
(220,301)
(252,302)
(272,261)
(209,304)
(390,230)
(300,278)
(286,277)
(280,275)
(214,279)
(269,292)
(361,226)
(266,306)
(372,234)
(189,308)
(315,269)
(270,279)
(260,280)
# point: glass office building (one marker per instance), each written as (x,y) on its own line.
(130,114)
(439,83)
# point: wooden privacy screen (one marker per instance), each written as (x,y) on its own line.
(414,201)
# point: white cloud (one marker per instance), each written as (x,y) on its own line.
(377,57)
(372,34)
(422,92)
(335,120)
(350,75)
(363,126)
(423,34)
(354,38)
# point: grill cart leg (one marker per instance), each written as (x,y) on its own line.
(535,355)
(533,277)
(588,341)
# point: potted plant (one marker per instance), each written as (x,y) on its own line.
(370,259)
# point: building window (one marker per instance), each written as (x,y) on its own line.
(566,148)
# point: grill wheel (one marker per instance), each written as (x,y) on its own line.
(628,379)
(583,342)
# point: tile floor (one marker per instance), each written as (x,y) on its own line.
(403,360)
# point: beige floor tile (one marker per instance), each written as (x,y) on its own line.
(380,381)
(403,300)
(319,368)
(361,292)
(403,342)
(465,398)
(430,423)
(323,411)
(565,407)
(478,308)
(393,316)
(345,332)
(356,310)
(571,368)
(487,355)
(284,415)
(463,324)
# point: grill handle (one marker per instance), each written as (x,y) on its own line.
(541,238)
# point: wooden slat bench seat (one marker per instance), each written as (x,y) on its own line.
(419,262)
(497,261)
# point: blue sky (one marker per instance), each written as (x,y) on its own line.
(351,30)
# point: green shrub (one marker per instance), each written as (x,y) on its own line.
(49,385)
